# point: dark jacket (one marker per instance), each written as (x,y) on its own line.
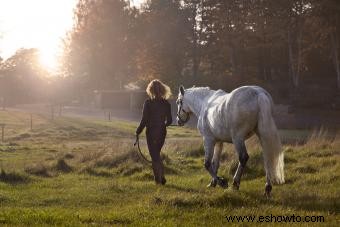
(156,115)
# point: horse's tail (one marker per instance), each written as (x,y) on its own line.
(270,140)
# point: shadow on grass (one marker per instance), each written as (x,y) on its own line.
(97,173)
(13,177)
(144,176)
(305,169)
(112,161)
(130,169)
(170,170)
(253,169)
(292,199)
(62,166)
(230,198)
(38,170)
(180,188)
(194,201)
(120,221)
(194,153)
(4,199)
(311,202)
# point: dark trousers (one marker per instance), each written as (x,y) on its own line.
(155,138)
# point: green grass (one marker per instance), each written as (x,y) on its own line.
(77,172)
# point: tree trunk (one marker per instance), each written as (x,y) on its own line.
(265,58)
(295,58)
(298,56)
(291,58)
(195,58)
(195,38)
(260,64)
(195,63)
(335,52)
(232,60)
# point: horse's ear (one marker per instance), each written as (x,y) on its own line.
(181,90)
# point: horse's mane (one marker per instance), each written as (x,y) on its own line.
(199,91)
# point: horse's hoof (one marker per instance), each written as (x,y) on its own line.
(236,186)
(222,182)
(163,182)
(212,184)
(267,190)
(268,195)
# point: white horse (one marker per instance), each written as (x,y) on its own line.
(233,118)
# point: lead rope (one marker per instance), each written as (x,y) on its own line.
(140,151)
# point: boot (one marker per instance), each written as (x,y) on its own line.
(161,173)
(155,172)
(158,171)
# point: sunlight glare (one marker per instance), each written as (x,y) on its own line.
(48,59)
(40,24)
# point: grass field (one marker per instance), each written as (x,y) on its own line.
(73,172)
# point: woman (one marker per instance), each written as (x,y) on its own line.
(156,116)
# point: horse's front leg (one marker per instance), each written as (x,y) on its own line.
(216,157)
(209,145)
(243,158)
(215,165)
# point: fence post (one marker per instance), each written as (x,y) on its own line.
(3,103)
(52,112)
(31,121)
(60,109)
(131,100)
(3,132)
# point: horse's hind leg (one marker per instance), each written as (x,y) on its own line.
(268,188)
(243,158)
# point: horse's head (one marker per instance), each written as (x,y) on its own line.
(183,110)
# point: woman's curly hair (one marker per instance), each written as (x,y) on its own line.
(158,90)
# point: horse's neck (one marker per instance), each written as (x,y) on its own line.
(198,99)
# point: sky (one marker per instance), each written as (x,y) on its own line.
(40,24)
(34,24)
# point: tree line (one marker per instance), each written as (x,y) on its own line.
(287,46)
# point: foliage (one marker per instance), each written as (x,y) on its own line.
(100,49)
(23,72)
(288,46)
(281,45)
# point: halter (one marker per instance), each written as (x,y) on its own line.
(180,120)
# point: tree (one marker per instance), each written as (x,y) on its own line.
(100,49)
(165,41)
(24,78)
(221,43)
(328,11)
